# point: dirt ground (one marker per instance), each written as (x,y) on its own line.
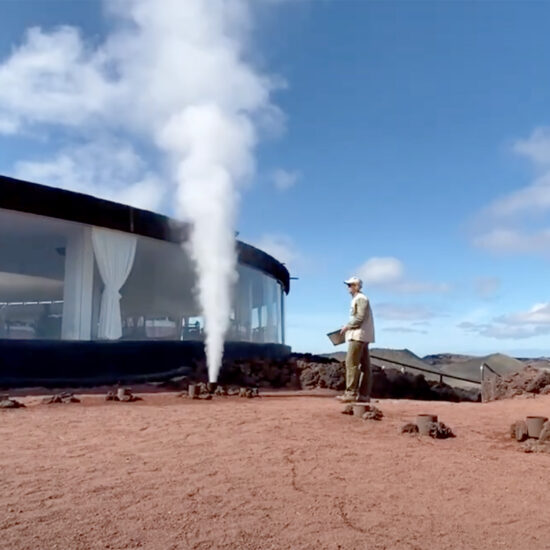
(279,472)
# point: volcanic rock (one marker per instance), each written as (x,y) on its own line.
(438,430)
(545,433)
(518,431)
(409,428)
(64,397)
(348,409)
(9,403)
(535,446)
(122,394)
(525,382)
(373,413)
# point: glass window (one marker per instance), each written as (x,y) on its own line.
(31,277)
(51,288)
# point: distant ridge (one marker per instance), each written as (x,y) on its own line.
(465,366)
(470,368)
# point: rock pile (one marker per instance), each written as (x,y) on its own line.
(438,430)
(371,412)
(203,391)
(9,403)
(528,381)
(409,428)
(64,397)
(533,439)
(435,430)
(122,394)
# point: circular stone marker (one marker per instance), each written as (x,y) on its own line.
(534,425)
(359,409)
(424,421)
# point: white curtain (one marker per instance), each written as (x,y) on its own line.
(115,253)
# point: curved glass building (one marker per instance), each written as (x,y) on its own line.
(95,290)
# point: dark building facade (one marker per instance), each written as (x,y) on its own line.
(93,291)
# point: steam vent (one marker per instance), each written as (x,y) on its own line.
(93,291)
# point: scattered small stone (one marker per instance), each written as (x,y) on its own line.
(233,390)
(122,394)
(545,433)
(518,431)
(409,428)
(220,391)
(249,392)
(373,413)
(64,397)
(111,396)
(535,446)
(348,409)
(9,403)
(438,430)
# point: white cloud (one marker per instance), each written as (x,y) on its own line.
(517,241)
(539,314)
(53,78)
(512,223)
(108,169)
(381,271)
(536,147)
(283,179)
(515,326)
(405,330)
(389,273)
(281,247)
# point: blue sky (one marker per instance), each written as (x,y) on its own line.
(413,149)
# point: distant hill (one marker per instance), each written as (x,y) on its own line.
(502,364)
(465,366)
(446,358)
(380,357)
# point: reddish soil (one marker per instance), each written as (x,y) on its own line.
(280,472)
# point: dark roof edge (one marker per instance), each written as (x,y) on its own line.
(34,198)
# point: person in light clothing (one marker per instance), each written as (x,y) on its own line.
(359,333)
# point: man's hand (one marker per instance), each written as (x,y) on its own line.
(345,328)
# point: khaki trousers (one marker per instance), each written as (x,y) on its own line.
(357,362)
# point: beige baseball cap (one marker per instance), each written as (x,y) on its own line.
(354,281)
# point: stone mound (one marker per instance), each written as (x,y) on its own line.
(438,430)
(535,446)
(518,431)
(64,397)
(348,409)
(409,428)
(373,413)
(9,403)
(123,395)
(525,382)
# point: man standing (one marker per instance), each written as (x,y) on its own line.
(359,333)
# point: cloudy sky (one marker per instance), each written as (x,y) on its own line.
(405,142)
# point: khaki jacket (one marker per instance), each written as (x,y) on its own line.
(361,324)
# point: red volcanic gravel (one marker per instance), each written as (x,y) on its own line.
(279,472)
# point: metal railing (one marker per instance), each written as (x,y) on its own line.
(437,373)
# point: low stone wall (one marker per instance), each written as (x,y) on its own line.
(305,371)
